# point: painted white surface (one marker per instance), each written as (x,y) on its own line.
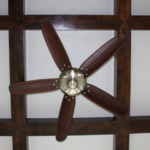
(140,7)
(140,73)
(40,64)
(105,7)
(6,143)
(139,141)
(5,111)
(96,142)
(3,7)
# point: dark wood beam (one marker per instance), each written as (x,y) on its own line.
(19,141)
(139,22)
(16,10)
(5,22)
(123,72)
(17,71)
(73,22)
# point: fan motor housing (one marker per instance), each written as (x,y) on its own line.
(72,81)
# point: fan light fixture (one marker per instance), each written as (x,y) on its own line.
(72,81)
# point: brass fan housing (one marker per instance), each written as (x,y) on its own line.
(72,81)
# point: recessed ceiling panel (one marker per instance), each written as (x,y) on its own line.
(95,142)
(140,73)
(6,143)
(3,7)
(69,7)
(40,64)
(139,7)
(5,111)
(139,141)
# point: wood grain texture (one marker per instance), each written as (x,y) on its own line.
(16,46)
(65,117)
(124,69)
(103,54)
(79,126)
(73,22)
(16,10)
(19,141)
(124,72)
(139,22)
(17,72)
(56,47)
(5,22)
(7,128)
(124,58)
(124,9)
(34,86)
(104,99)
(122,138)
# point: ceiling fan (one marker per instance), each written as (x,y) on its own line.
(72,81)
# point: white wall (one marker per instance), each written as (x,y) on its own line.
(81,42)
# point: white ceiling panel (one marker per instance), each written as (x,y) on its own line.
(140,73)
(69,7)
(95,142)
(5,111)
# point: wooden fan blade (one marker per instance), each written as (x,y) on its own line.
(65,117)
(56,47)
(34,86)
(98,58)
(104,99)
